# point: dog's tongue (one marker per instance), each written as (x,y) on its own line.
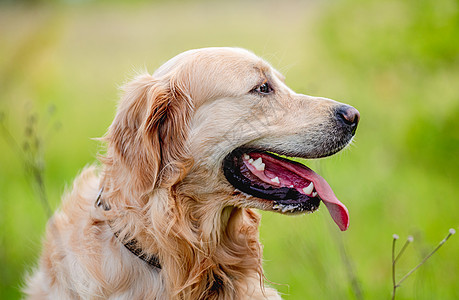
(337,210)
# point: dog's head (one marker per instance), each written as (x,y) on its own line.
(223,121)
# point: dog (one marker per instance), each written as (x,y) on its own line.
(192,151)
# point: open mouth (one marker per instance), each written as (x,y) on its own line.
(289,186)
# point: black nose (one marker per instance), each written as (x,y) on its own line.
(349,116)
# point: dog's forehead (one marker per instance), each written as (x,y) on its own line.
(208,59)
(210,73)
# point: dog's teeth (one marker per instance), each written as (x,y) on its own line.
(260,167)
(275,206)
(308,190)
(275,179)
(257,161)
(246,156)
(258,164)
(314,194)
(288,208)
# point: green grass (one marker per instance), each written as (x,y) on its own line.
(396,61)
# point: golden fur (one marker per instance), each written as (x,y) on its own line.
(163,182)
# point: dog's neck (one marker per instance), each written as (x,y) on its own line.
(132,244)
(203,249)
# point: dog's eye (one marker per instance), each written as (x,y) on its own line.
(264,89)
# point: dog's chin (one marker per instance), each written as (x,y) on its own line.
(280,184)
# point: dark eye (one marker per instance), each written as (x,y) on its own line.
(264,89)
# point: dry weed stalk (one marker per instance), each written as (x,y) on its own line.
(410,239)
(31,152)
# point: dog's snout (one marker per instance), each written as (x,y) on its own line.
(349,116)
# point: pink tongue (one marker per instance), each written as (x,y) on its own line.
(337,210)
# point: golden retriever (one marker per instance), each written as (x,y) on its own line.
(193,149)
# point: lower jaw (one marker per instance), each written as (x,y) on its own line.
(281,200)
(288,201)
(292,206)
(305,205)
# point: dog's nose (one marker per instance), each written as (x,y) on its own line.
(349,116)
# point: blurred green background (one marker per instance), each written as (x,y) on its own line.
(61,64)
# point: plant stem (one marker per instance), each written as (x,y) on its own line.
(394,286)
(402,250)
(424,260)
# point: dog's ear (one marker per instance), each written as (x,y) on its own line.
(149,132)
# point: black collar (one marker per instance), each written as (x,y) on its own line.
(133,244)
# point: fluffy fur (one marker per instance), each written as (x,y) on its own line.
(163,181)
